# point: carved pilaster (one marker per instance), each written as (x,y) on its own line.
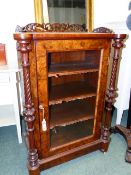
(111,92)
(24,48)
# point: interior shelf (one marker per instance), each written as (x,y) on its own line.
(60,69)
(70,91)
(69,133)
(72,112)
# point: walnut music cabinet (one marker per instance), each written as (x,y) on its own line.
(65,82)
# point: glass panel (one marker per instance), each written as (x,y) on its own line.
(72,83)
(67,11)
(72,62)
(69,133)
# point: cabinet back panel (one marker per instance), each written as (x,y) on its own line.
(91,79)
(65,79)
(71,133)
(90,56)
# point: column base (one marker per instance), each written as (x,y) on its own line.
(34,170)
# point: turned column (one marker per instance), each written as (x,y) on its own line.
(111,92)
(23,45)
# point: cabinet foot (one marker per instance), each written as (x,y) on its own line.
(105,139)
(34,170)
(126,133)
(104,146)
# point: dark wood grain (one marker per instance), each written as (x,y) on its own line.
(24,47)
(111,92)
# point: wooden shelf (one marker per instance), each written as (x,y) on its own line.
(72,112)
(70,91)
(56,70)
(70,133)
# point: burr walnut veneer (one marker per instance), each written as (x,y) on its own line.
(65,82)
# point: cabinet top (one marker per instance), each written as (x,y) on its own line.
(65,35)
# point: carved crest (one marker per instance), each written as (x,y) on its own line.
(59,27)
(102,30)
(55,27)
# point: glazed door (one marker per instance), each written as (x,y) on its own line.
(71,84)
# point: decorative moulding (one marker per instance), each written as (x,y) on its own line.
(59,27)
(55,27)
